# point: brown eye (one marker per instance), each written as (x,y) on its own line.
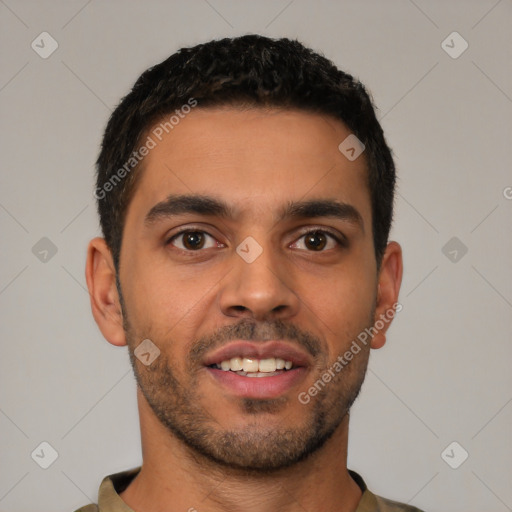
(191,240)
(318,240)
(315,240)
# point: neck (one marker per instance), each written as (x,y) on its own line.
(173,478)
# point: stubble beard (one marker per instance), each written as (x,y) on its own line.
(257,448)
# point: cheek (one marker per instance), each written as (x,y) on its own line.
(166,301)
(340,305)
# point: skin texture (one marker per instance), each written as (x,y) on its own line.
(203,446)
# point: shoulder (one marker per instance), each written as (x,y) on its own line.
(386,505)
(372,503)
(108,493)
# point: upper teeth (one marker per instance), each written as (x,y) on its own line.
(249,364)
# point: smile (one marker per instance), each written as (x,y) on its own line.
(278,366)
(252,367)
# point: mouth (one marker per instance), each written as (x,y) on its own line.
(252,367)
(258,370)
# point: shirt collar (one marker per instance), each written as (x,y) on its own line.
(112,485)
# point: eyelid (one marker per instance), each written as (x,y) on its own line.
(187,228)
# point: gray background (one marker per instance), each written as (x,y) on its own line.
(444,374)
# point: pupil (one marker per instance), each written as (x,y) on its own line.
(312,240)
(193,240)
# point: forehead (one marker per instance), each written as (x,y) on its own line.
(255,159)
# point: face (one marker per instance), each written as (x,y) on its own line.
(247,246)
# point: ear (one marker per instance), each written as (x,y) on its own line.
(100,274)
(390,279)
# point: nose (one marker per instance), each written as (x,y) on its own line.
(261,289)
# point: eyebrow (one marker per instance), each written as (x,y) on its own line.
(183,204)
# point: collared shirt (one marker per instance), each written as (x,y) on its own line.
(110,501)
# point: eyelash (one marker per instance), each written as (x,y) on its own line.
(339,239)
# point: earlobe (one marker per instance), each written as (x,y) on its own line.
(100,274)
(388,288)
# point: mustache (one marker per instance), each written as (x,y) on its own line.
(249,330)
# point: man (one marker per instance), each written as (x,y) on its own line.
(245,192)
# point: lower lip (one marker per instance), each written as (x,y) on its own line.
(258,387)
